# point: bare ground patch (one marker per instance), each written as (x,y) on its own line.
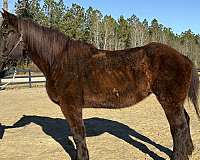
(140,132)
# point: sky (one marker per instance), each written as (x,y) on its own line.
(180,15)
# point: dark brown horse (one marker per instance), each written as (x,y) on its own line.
(79,75)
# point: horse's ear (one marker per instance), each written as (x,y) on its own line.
(12,19)
(2,14)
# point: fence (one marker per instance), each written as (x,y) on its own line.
(30,78)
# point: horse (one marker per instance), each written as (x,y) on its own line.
(78,75)
(6,72)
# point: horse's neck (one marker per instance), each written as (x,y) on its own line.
(36,41)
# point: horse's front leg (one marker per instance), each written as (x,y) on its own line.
(73,115)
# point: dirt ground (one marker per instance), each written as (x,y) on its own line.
(140,132)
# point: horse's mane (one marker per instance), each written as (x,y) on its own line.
(38,31)
(54,43)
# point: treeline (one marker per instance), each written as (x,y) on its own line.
(104,31)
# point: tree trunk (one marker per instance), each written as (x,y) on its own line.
(5,4)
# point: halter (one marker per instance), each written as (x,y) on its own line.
(15,46)
(15,70)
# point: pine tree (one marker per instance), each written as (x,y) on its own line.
(123,33)
(74,22)
(54,11)
(94,26)
(155,31)
(108,32)
(30,9)
(5,4)
(104,31)
(23,8)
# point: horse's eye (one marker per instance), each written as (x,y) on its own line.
(6,25)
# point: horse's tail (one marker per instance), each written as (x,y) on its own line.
(193,93)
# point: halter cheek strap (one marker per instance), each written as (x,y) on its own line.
(16,45)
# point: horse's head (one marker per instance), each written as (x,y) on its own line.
(11,41)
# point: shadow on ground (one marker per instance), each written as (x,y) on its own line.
(58,129)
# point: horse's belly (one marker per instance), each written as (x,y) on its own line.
(114,97)
(110,102)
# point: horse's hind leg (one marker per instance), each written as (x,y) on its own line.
(179,125)
(190,146)
(73,115)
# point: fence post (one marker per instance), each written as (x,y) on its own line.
(29,72)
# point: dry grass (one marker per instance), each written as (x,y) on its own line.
(136,133)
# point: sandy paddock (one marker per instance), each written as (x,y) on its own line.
(140,132)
